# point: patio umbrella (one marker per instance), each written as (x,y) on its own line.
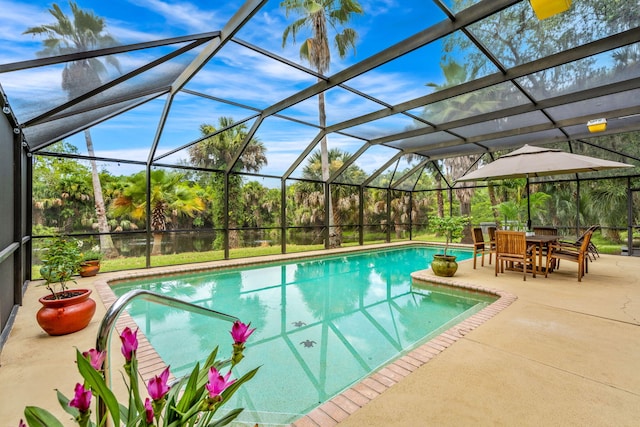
(529,161)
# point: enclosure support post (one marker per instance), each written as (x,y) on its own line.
(629,218)
(411,215)
(283,216)
(327,212)
(361,216)
(226,215)
(388,215)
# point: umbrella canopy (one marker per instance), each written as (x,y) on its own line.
(529,161)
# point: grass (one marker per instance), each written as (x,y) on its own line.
(129,263)
(606,246)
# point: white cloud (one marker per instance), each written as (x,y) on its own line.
(235,73)
(379,7)
(186,15)
(14,22)
(390,87)
(124,34)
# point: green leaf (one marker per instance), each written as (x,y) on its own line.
(38,417)
(203,377)
(135,388)
(236,385)
(190,391)
(124,412)
(96,381)
(232,415)
(64,403)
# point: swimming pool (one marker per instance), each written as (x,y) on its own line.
(322,323)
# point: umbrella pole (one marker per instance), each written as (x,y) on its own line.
(528,206)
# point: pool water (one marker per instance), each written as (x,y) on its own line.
(323,324)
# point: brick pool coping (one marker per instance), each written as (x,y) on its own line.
(346,403)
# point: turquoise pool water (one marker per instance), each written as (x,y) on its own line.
(322,324)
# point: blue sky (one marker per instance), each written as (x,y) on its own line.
(237,73)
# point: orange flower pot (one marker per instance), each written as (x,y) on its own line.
(89,268)
(66,315)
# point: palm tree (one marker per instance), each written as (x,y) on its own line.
(84,32)
(316,15)
(171,196)
(608,204)
(217,152)
(344,198)
(433,168)
(469,103)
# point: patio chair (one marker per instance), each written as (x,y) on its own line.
(480,247)
(492,241)
(511,247)
(492,237)
(580,256)
(592,249)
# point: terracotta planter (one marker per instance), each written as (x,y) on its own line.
(89,268)
(66,315)
(444,265)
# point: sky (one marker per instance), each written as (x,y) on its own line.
(237,73)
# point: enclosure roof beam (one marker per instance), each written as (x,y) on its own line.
(349,162)
(583,95)
(466,17)
(102,88)
(78,56)
(237,21)
(303,155)
(394,186)
(599,46)
(382,169)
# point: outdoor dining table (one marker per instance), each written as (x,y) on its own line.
(541,241)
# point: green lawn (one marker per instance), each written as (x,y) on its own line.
(128,263)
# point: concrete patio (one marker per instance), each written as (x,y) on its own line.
(564,353)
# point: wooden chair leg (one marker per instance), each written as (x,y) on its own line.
(534,266)
(580,269)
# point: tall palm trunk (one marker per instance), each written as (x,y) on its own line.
(334,237)
(106,242)
(158,226)
(156,248)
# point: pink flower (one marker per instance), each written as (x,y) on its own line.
(82,398)
(129,343)
(241,332)
(158,387)
(95,357)
(22,424)
(217,383)
(148,410)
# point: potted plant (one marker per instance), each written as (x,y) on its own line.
(65,310)
(90,262)
(450,227)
